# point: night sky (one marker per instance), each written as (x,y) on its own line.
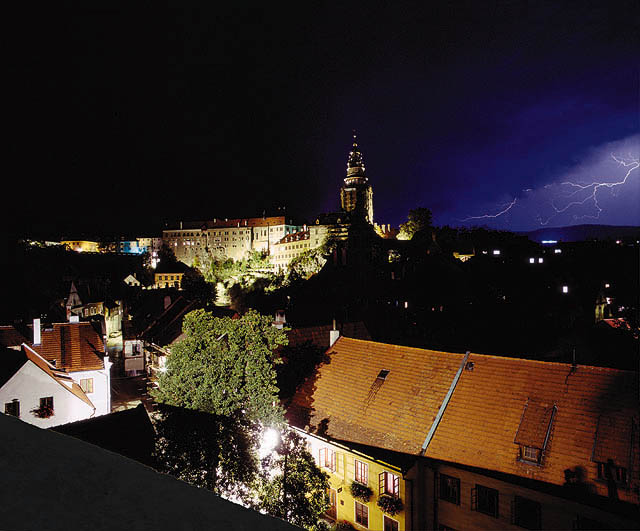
(123,119)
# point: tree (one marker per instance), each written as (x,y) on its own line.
(418,219)
(293,487)
(210,451)
(225,365)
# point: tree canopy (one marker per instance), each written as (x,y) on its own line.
(418,219)
(225,365)
(293,487)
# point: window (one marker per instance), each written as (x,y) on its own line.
(12,408)
(450,489)
(362,514)
(609,470)
(362,472)
(389,524)
(389,484)
(328,459)
(484,500)
(332,511)
(529,453)
(86,384)
(525,513)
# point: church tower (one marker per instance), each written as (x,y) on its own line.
(356,194)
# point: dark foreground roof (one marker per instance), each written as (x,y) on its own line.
(54,482)
(128,433)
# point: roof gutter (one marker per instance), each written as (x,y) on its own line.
(444,405)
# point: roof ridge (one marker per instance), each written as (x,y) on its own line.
(493,356)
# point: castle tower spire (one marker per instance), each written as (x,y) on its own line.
(356,195)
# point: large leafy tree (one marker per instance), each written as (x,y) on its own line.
(418,219)
(210,451)
(225,365)
(293,487)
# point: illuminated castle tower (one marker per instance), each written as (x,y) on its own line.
(356,194)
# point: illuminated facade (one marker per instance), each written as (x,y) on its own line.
(356,194)
(227,238)
(81,246)
(358,479)
(294,244)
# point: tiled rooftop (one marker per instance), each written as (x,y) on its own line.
(480,426)
(73,346)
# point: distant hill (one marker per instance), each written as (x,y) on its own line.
(575,233)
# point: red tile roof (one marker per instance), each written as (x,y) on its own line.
(59,376)
(480,425)
(319,335)
(10,337)
(73,347)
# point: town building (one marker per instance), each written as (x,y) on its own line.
(497,443)
(75,349)
(35,391)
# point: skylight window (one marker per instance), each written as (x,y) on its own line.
(382,375)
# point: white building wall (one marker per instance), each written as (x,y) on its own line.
(30,384)
(101,396)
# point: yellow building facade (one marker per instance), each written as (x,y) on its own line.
(346,465)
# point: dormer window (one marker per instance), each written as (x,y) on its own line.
(612,448)
(534,431)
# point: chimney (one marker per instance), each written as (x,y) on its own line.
(333,334)
(36,332)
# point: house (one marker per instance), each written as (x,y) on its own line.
(498,442)
(33,390)
(76,349)
(169,275)
(359,475)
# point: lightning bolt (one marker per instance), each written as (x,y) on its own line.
(504,210)
(591,190)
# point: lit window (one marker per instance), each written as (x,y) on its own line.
(362,514)
(496,252)
(565,289)
(389,483)
(328,459)
(540,260)
(362,472)
(557,251)
(86,384)
(607,285)
(532,260)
